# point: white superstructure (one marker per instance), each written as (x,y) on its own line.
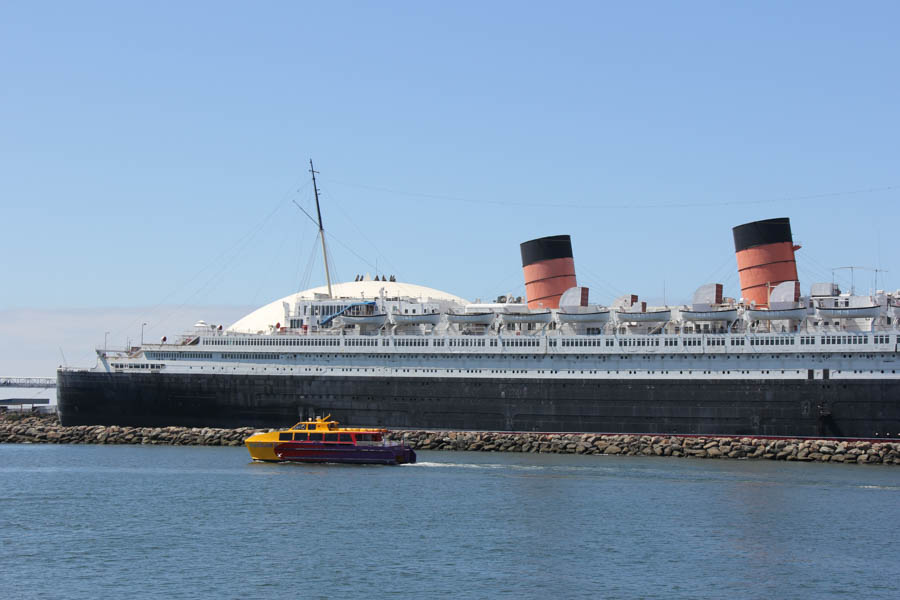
(431,333)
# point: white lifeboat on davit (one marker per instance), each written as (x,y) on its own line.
(544,316)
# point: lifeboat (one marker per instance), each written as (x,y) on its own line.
(730,314)
(481,318)
(855,312)
(322,441)
(643,317)
(763,314)
(600,316)
(420,319)
(528,317)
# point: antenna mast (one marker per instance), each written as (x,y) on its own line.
(321,231)
(852,286)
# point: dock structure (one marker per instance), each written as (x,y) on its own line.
(26,404)
(28,382)
(23,401)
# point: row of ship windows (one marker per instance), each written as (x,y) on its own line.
(688,342)
(519,343)
(409,342)
(329,437)
(534,342)
(521,371)
(183,355)
(361,342)
(637,342)
(272,356)
(829,340)
(772,341)
(471,342)
(570,343)
(278,341)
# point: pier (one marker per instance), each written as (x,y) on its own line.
(28,382)
(19,404)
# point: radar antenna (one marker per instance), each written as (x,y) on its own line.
(852,268)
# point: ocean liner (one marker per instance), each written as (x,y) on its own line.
(381,353)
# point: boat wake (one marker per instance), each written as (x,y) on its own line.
(501,466)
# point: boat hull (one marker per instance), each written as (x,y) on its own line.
(814,407)
(310,452)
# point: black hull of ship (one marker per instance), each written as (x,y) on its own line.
(833,408)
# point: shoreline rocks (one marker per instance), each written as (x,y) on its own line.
(34,429)
(29,428)
(709,447)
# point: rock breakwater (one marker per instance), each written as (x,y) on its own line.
(16,428)
(47,430)
(804,450)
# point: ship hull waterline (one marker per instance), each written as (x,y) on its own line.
(832,408)
(307,452)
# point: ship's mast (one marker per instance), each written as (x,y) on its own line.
(321,231)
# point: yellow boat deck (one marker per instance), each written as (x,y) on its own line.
(262,446)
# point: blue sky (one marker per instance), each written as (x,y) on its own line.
(151,153)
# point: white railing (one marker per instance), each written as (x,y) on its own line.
(28,382)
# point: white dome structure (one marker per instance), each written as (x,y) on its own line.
(266,316)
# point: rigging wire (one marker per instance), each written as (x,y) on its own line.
(297,274)
(512,285)
(828,273)
(352,251)
(335,278)
(811,273)
(609,287)
(605,295)
(306,213)
(378,251)
(630,205)
(711,278)
(310,265)
(331,237)
(238,247)
(266,274)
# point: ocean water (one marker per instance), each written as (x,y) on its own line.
(194,522)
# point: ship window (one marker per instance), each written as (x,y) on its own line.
(284,437)
(300,437)
(363,437)
(315,437)
(345,437)
(331,437)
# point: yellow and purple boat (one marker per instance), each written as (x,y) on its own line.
(322,441)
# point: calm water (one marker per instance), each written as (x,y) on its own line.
(148,522)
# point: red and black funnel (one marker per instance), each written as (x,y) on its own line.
(765,258)
(549,270)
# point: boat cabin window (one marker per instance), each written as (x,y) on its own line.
(331,437)
(315,437)
(284,437)
(301,426)
(300,437)
(345,437)
(332,426)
